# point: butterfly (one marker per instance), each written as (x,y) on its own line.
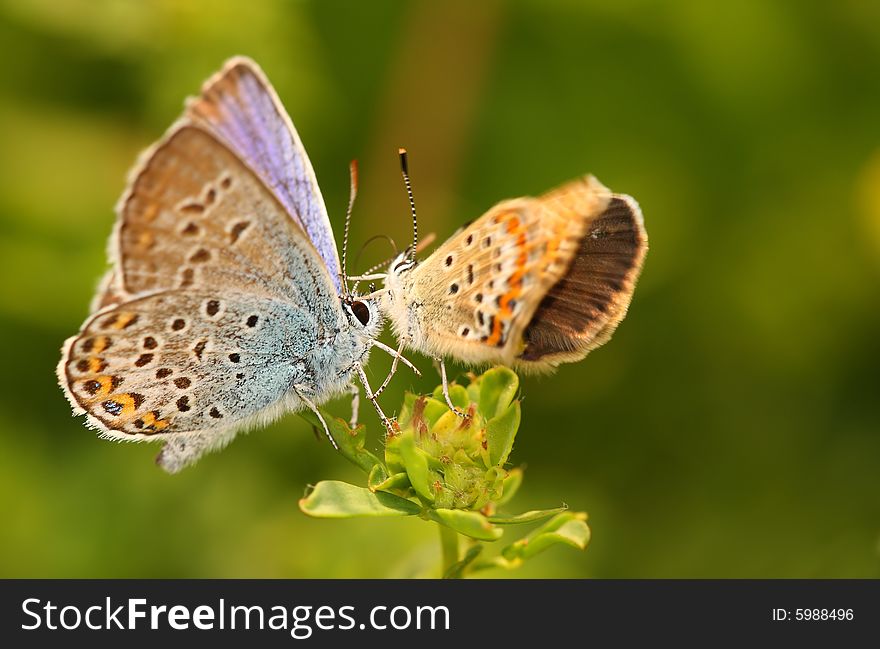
(533,283)
(226,305)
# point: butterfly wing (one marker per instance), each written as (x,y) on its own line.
(481,288)
(240,107)
(194,215)
(582,310)
(189,363)
(214,311)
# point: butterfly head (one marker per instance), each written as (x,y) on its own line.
(398,272)
(363,314)
(397,294)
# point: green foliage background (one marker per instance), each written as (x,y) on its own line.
(730,428)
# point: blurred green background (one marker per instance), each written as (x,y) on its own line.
(730,429)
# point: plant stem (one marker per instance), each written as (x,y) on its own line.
(449,546)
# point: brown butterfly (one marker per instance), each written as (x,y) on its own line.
(533,283)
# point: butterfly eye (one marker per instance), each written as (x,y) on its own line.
(404,264)
(361,312)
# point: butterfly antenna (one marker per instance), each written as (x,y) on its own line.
(353,172)
(404,168)
(424,243)
(382,264)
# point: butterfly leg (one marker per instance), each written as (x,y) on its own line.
(372,398)
(397,356)
(314,409)
(367,278)
(446,389)
(355,405)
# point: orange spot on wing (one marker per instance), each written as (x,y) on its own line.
(152,421)
(515,228)
(106,383)
(127,402)
(123,320)
(96,364)
(145,240)
(495,337)
(514,283)
(100,344)
(151,211)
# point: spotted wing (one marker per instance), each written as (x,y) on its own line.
(190,362)
(195,215)
(240,106)
(207,257)
(481,288)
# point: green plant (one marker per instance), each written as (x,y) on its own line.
(450,471)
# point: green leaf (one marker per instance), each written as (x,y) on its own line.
(457,570)
(498,387)
(458,394)
(472,524)
(378,474)
(415,463)
(500,434)
(494,481)
(434,408)
(424,408)
(510,486)
(447,426)
(393,461)
(527,517)
(567,528)
(334,499)
(350,442)
(406,410)
(396,481)
(473,389)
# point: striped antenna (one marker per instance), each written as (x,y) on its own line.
(404,168)
(352,194)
